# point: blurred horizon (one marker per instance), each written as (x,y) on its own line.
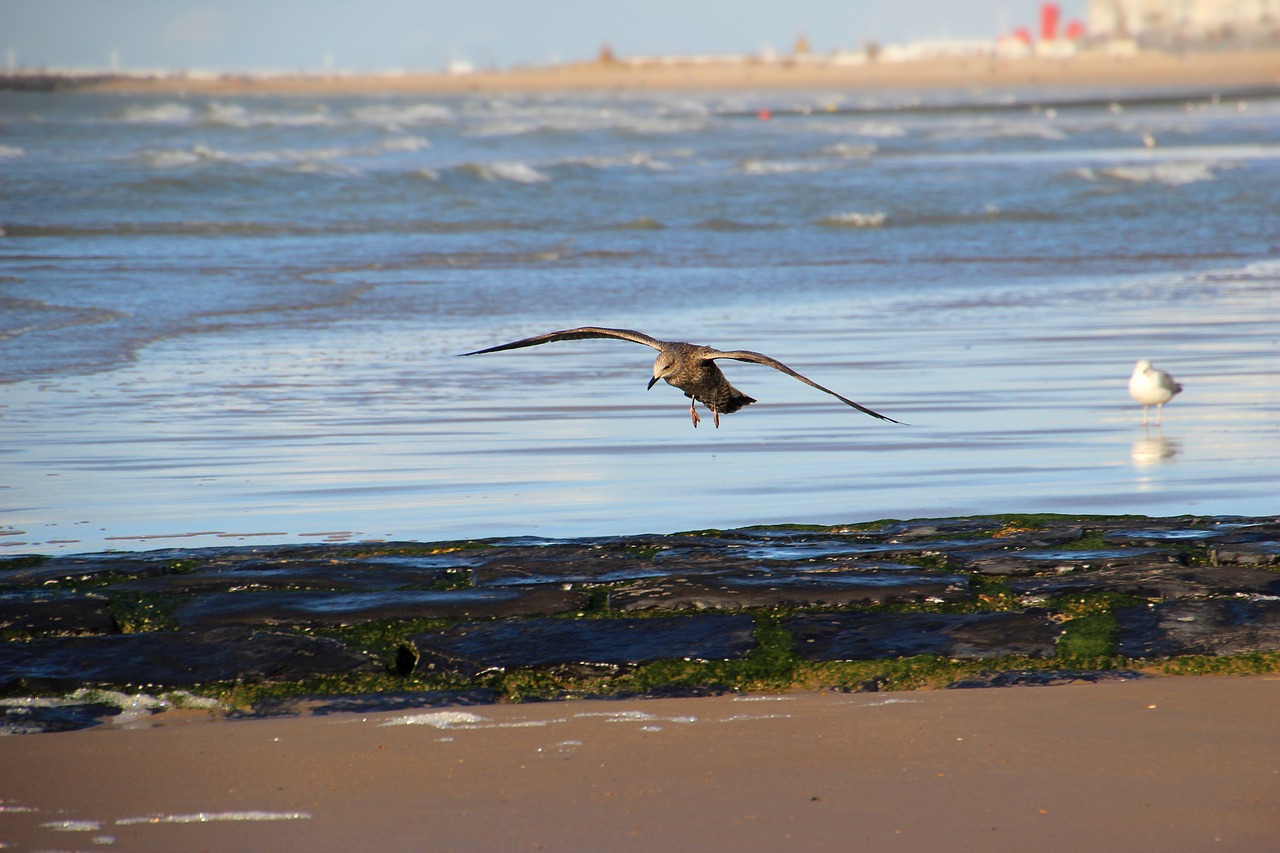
(147,35)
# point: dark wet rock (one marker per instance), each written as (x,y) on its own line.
(872,636)
(1156,537)
(1222,627)
(826,589)
(1225,566)
(1037,539)
(350,608)
(52,612)
(175,569)
(613,560)
(350,575)
(595,645)
(89,567)
(1024,563)
(171,659)
(1156,579)
(1247,554)
(933,528)
(580,562)
(1259,552)
(1043,678)
(1007,565)
(1254,544)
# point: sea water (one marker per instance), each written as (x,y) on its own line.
(237,319)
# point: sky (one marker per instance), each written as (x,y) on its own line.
(426,35)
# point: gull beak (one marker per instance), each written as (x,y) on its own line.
(652,382)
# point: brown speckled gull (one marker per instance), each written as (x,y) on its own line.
(689,367)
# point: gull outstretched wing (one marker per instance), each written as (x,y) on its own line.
(580,333)
(767,361)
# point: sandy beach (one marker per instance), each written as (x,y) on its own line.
(1158,764)
(1194,70)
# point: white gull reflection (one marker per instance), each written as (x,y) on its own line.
(1153,450)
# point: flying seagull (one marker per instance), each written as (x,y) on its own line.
(689,367)
(1152,387)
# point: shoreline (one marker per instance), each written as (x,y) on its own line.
(1164,764)
(1145,70)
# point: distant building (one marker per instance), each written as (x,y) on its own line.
(1166,22)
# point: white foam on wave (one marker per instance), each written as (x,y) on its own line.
(851,152)
(237,115)
(634,717)
(395,116)
(212,817)
(307,158)
(518,122)
(175,158)
(11,151)
(753,166)
(404,143)
(462,720)
(867,129)
(1170,173)
(640,160)
(134,709)
(855,219)
(1002,130)
(159,114)
(438,720)
(72,825)
(513,171)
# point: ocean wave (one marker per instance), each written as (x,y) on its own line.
(309,158)
(756,166)
(519,121)
(404,143)
(640,223)
(1172,173)
(395,116)
(987,214)
(159,114)
(1001,130)
(850,152)
(237,115)
(860,127)
(732,225)
(640,160)
(855,219)
(19,317)
(11,151)
(502,170)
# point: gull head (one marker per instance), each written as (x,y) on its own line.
(663,366)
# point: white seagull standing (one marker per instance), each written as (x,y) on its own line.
(1151,387)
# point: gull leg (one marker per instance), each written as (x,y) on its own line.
(694,415)
(1159,413)
(715,416)
(1144,415)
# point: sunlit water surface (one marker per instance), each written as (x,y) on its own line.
(237,321)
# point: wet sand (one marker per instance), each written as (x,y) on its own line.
(1194,70)
(1158,764)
